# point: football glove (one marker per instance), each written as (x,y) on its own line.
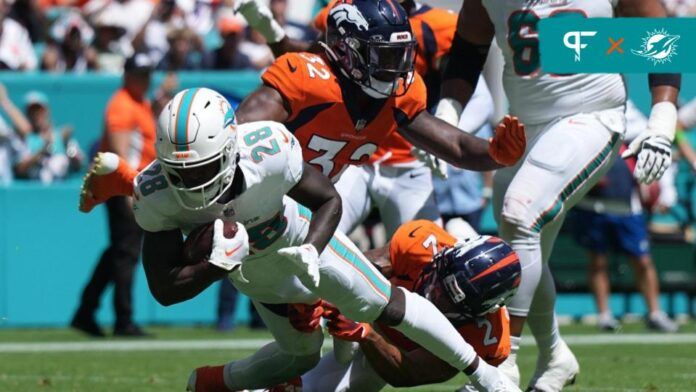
(436,165)
(228,253)
(305,318)
(509,143)
(341,327)
(260,18)
(305,258)
(654,146)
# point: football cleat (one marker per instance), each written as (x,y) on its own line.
(207,379)
(511,370)
(557,371)
(108,176)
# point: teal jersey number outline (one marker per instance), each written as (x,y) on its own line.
(257,136)
(525,58)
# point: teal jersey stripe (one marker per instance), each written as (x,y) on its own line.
(181,137)
(377,281)
(552,212)
(304,212)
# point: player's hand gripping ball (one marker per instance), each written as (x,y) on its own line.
(221,243)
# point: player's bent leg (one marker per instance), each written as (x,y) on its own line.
(291,354)
(329,375)
(405,194)
(353,284)
(109,175)
(353,188)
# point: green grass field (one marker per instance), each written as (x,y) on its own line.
(606,365)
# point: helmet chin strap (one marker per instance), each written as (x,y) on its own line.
(378,89)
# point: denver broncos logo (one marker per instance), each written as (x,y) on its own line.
(351,14)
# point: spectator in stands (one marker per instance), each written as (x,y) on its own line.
(228,56)
(129,131)
(110,40)
(256,49)
(294,30)
(166,17)
(16,50)
(611,214)
(68,47)
(31,16)
(54,154)
(186,52)
(12,147)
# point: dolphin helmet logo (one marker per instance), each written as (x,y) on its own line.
(351,14)
(659,46)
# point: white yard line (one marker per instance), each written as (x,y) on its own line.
(253,344)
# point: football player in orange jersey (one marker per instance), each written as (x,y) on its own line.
(396,180)
(344,104)
(469,281)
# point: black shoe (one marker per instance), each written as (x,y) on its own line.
(131,331)
(88,326)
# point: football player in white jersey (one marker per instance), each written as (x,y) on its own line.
(208,168)
(575,124)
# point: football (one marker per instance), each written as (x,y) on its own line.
(199,242)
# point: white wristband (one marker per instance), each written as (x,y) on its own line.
(449,110)
(663,120)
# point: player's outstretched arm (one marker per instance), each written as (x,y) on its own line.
(463,150)
(169,280)
(264,104)
(467,56)
(654,146)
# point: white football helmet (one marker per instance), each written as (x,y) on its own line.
(197,146)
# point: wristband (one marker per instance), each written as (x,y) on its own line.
(663,120)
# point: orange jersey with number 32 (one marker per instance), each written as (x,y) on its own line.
(411,249)
(330,138)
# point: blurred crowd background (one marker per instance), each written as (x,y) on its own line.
(92,42)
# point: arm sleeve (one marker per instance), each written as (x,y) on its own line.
(286,75)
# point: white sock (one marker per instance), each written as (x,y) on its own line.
(426,325)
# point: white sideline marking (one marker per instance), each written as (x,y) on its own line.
(253,344)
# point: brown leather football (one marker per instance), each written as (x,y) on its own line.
(199,242)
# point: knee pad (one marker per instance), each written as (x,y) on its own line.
(516,223)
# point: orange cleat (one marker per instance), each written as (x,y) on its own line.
(207,379)
(294,385)
(108,176)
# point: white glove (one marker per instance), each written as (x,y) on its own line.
(306,259)
(654,145)
(259,17)
(228,253)
(436,165)
(489,378)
